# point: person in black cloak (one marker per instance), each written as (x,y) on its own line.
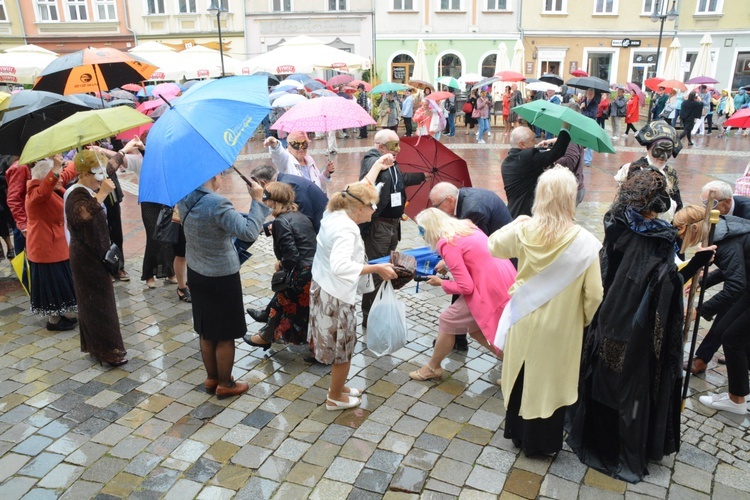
(628,410)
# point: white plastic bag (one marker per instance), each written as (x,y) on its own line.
(386,325)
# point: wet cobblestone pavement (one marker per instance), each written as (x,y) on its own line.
(72,429)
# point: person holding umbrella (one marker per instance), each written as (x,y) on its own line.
(295,160)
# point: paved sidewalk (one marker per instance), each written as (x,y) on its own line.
(70,428)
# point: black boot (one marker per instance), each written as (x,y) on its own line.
(258,315)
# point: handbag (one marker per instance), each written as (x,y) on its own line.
(112,259)
(742,186)
(475,113)
(280,280)
(467,107)
(166,230)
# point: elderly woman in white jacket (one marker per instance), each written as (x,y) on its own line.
(339,272)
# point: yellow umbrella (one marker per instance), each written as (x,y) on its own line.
(4,100)
(80,129)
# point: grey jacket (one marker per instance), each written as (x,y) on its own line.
(210,222)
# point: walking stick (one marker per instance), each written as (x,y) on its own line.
(709,225)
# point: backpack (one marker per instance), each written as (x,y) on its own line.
(450,106)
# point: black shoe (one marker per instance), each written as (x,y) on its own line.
(249,341)
(258,315)
(61,326)
(462,343)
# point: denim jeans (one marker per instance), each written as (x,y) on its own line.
(451,119)
(588,155)
(484,126)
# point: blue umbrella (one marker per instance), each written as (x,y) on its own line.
(300,77)
(147,92)
(200,135)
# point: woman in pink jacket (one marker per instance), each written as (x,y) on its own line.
(481,280)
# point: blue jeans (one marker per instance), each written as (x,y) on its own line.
(484,126)
(588,155)
(19,240)
(451,119)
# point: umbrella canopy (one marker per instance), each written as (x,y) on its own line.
(287,101)
(272,79)
(439,96)
(304,54)
(324,115)
(314,85)
(24,63)
(703,64)
(421,84)
(163,57)
(122,94)
(579,73)
(324,93)
(421,72)
(168,90)
(449,81)
(637,89)
(486,82)
(202,62)
(468,78)
(357,83)
(132,87)
(151,105)
(145,91)
(389,87)
(552,78)
(129,134)
(300,77)
(702,80)
(91,70)
(4,101)
(121,102)
(278,93)
(290,85)
(589,82)
(340,80)
(201,136)
(30,112)
(510,76)
(550,116)
(668,85)
(542,86)
(740,119)
(430,156)
(653,83)
(80,129)
(673,68)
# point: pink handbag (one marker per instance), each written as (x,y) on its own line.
(742,186)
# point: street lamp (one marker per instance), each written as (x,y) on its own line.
(216,8)
(657,16)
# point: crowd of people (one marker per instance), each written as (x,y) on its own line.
(589,333)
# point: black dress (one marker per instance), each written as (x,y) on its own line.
(628,411)
(158,258)
(99,324)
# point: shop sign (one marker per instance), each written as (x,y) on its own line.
(625,43)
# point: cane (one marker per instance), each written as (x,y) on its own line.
(709,222)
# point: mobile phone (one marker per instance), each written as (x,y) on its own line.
(421,278)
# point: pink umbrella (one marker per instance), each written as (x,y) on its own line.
(637,89)
(340,80)
(168,90)
(357,83)
(323,115)
(149,106)
(129,134)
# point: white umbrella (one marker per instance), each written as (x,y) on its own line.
(290,84)
(501,64)
(420,64)
(202,62)
(703,65)
(673,68)
(542,86)
(470,78)
(287,101)
(23,64)
(303,54)
(162,56)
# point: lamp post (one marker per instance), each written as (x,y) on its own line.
(657,16)
(217,9)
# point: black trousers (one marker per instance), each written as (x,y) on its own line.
(687,129)
(114,221)
(736,341)
(381,239)
(363,132)
(408,125)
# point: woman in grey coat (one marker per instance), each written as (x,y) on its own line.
(211,222)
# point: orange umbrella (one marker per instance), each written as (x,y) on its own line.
(439,96)
(510,76)
(672,84)
(92,70)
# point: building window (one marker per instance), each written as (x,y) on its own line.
(3,16)
(741,75)
(47,10)
(488,65)
(648,7)
(605,7)
(450,4)
(497,4)
(105,10)
(555,6)
(77,10)
(600,65)
(709,7)
(155,7)
(450,65)
(402,68)
(187,7)
(336,4)
(281,6)
(644,67)
(403,4)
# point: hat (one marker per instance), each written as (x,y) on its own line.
(87,160)
(658,130)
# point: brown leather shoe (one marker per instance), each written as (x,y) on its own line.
(722,360)
(699,366)
(228,392)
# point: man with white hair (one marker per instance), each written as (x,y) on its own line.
(525,163)
(295,160)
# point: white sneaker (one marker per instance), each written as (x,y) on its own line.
(481,141)
(614,137)
(722,402)
(489,133)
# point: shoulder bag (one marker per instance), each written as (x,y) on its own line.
(166,230)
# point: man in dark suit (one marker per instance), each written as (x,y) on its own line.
(727,203)
(481,206)
(525,163)
(310,201)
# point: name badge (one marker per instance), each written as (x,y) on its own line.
(396,199)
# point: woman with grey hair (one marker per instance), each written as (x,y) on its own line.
(52,293)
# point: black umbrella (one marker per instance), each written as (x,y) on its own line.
(589,82)
(552,78)
(30,112)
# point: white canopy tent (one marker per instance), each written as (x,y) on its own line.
(304,54)
(23,64)
(161,56)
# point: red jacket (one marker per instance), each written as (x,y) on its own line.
(45,239)
(17,176)
(632,115)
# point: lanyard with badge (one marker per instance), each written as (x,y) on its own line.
(396,194)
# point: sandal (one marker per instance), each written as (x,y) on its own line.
(417,374)
(184,294)
(332,405)
(170,281)
(151,283)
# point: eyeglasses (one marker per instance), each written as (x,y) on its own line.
(392,146)
(297,145)
(438,205)
(716,202)
(371,205)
